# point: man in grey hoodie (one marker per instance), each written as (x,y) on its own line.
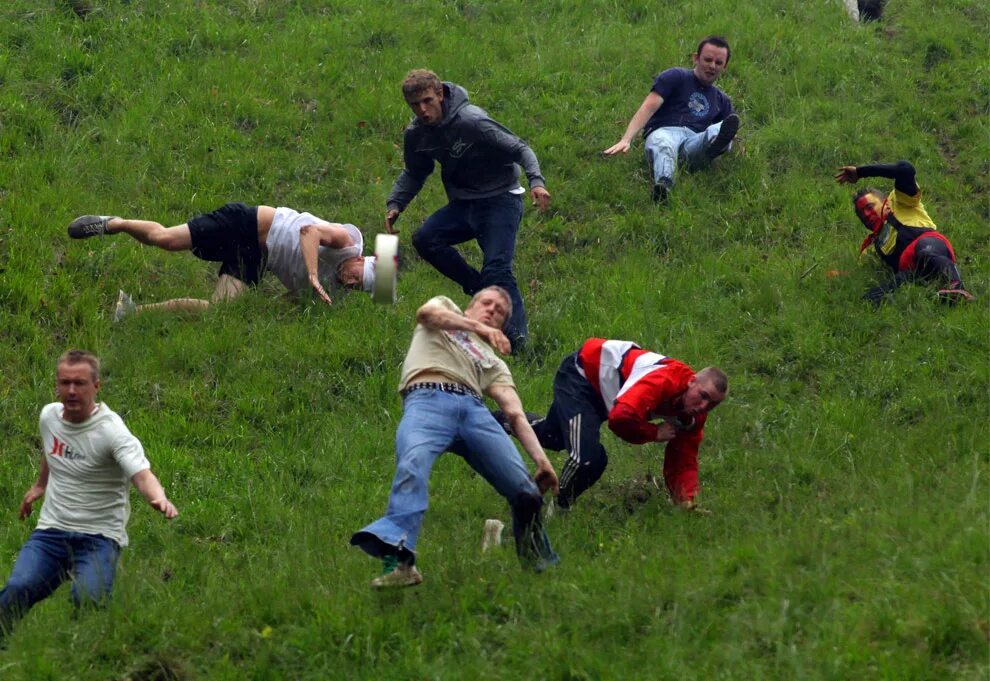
(479,165)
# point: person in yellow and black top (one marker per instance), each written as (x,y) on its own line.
(903,235)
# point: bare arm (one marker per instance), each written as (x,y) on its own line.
(149,487)
(433,316)
(311,237)
(649,107)
(36,491)
(508,401)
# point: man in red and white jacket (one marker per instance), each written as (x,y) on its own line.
(630,388)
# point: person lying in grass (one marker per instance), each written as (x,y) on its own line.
(302,250)
(901,232)
(684,118)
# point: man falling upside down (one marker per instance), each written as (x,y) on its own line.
(302,250)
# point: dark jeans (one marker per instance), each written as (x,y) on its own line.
(47,559)
(494,222)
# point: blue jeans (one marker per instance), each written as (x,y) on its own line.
(664,147)
(431,422)
(47,559)
(494,222)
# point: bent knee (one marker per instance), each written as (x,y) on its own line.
(170,240)
(422,241)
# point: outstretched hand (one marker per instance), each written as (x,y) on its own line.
(31,496)
(391,217)
(620,147)
(320,291)
(541,198)
(691,506)
(495,338)
(665,432)
(847,175)
(165,507)
(546,479)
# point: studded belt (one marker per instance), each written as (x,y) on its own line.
(455,388)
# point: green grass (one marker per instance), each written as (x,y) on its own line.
(847,472)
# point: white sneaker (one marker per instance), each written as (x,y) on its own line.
(124,307)
(492,535)
(402,575)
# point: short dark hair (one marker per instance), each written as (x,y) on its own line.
(717,41)
(868,190)
(81,357)
(418,80)
(717,377)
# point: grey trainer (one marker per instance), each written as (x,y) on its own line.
(125,307)
(86,226)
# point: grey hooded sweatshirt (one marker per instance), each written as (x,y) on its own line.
(478,157)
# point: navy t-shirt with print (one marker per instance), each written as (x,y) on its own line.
(687,102)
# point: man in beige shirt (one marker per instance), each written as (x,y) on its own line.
(449,365)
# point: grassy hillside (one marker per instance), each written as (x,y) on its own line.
(846,473)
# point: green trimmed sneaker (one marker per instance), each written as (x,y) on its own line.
(396,575)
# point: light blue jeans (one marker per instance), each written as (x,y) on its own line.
(664,147)
(432,422)
(47,559)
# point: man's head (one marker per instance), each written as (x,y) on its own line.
(705,391)
(424,95)
(77,380)
(491,306)
(352,273)
(871,207)
(711,59)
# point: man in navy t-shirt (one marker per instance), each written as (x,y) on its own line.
(685,117)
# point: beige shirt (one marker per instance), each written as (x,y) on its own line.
(461,356)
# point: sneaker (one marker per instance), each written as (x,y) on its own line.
(534,549)
(955,293)
(559,505)
(125,307)
(500,417)
(726,133)
(661,189)
(517,344)
(89,225)
(492,535)
(397,575)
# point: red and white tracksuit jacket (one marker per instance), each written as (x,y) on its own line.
(637,387)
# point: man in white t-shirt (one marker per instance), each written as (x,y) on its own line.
(90,460)
(302,250)
(450,363)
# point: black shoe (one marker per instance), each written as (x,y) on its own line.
(726,133)
(518,344)
(89,225)
(499,416)
(661,189)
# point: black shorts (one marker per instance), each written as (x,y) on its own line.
(229,235)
